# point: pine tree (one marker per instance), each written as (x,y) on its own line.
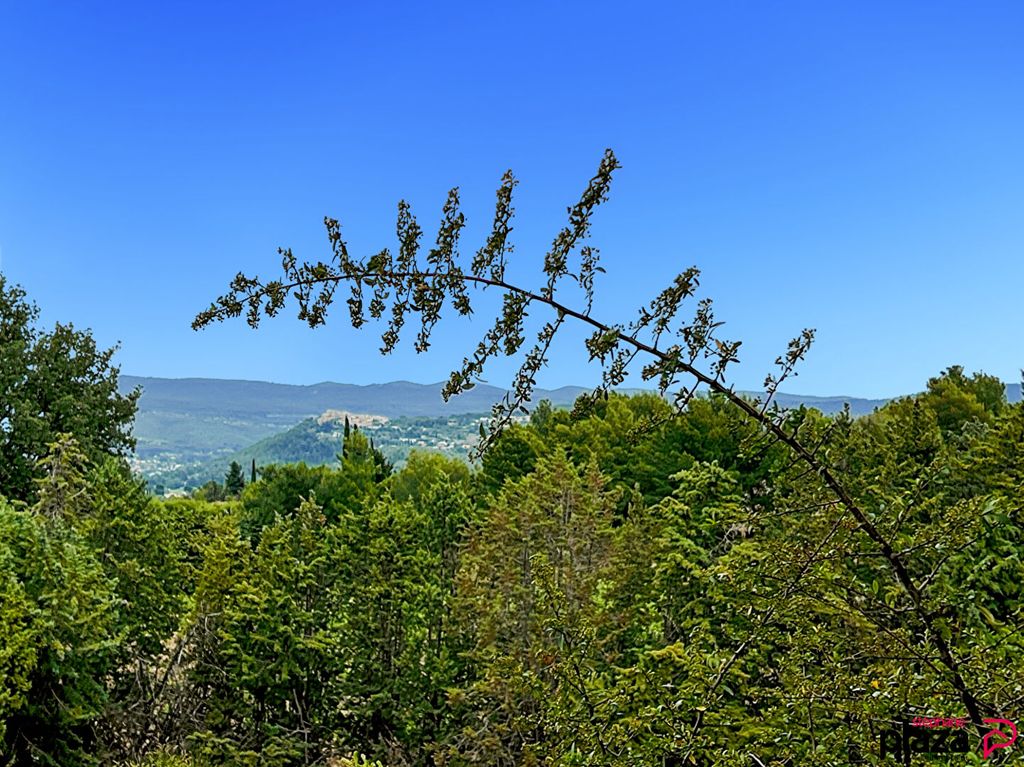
(59,616)
(234,480)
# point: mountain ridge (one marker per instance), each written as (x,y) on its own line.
(224,396)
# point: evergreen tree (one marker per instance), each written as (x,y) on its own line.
(59,636)
(234,480)
(359,450)
(270,667)
(529,599)
(383,468)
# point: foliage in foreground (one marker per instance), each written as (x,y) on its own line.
(594,594)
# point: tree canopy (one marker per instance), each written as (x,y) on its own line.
(54,382)
(678,596)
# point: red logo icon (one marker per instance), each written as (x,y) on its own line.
(997,738)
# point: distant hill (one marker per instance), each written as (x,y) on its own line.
(185,423)
(317,441)
(827,405)
(206,415)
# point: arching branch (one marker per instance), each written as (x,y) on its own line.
(405,287)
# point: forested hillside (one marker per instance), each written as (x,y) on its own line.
(185,425)
(318,441)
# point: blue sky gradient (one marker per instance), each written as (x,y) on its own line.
(854,167)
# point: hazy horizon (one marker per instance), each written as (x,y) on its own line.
(439,383)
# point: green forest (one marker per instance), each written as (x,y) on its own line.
(627,583)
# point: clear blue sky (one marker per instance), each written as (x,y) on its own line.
(856,167)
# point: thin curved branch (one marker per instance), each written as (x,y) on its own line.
(444,279)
